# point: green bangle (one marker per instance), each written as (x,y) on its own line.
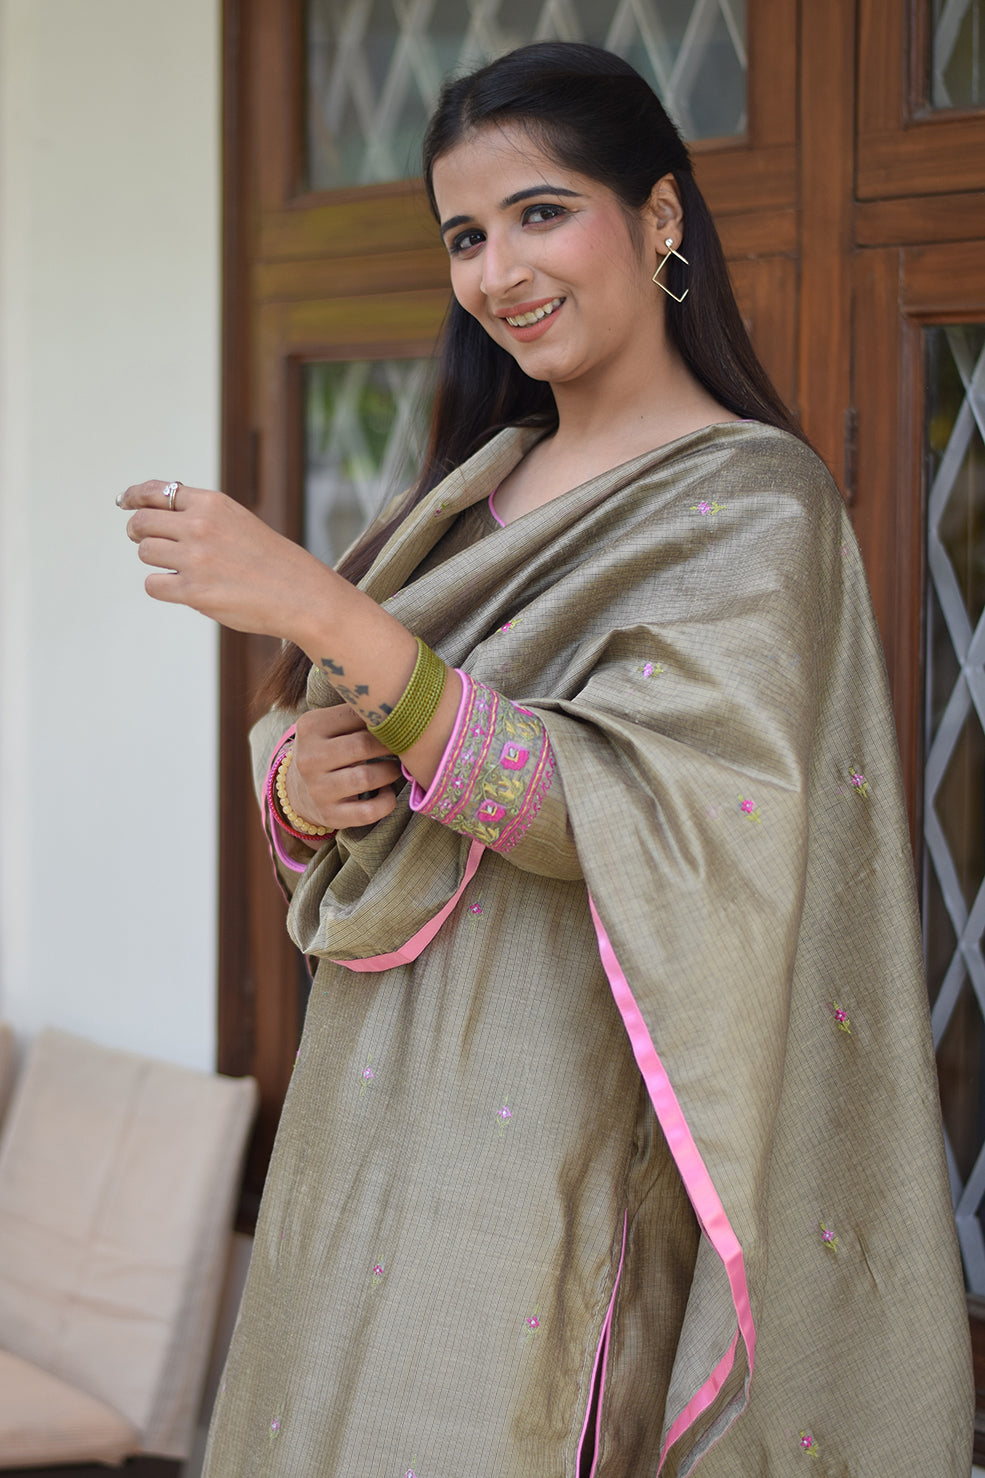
(402,728)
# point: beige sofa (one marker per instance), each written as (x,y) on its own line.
(117,1182)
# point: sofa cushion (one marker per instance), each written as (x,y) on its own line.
(43,1420)
(117,1175)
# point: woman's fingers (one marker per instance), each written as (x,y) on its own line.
(155,494)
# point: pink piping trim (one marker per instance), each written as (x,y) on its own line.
(419,941)
(492,508)
(697,1182)
(419,798)
(273,828)
(602,1353)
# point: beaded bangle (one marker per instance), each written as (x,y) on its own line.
(297,826)
(402,728)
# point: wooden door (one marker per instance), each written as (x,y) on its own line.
(918,274)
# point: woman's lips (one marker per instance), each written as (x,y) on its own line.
(530,323)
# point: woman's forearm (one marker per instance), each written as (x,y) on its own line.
(368,656)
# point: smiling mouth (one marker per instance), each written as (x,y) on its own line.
(523,320)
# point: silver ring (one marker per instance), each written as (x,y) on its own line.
(170,492)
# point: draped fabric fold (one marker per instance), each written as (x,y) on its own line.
(726,1055)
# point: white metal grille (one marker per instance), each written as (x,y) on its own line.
(374,67)
(363,426)
(958,54)
(954,782)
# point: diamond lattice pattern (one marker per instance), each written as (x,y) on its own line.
(374,67)
(363,424)
(954,794)
(958,56)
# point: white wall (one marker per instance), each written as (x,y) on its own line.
(109,374)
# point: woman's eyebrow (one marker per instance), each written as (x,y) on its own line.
(509,200)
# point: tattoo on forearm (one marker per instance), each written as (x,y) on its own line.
(374,716)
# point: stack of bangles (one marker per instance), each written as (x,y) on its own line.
(399,731)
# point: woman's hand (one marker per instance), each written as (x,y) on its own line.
(336,760)
(220,559)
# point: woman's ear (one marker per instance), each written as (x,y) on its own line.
(662,214)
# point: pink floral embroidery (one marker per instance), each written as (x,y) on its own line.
(650,669)
(378,1271)
(513,757)
(859,783)
(807,1444)
(512,625)
(497,772)
(705,508)
(531,1324)
(274,1427)
(504,1115)
(829,1238)
(749,808)
(841,1016)
(475,908)
(367,1075)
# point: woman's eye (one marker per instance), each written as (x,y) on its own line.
(463,242)
(537,215)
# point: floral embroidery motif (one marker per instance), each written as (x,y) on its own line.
(378,1271)
(475,909)
(860,785)
(651,669)
(841,1016)
(532,1324)
(274,1427)
(749,808)
(828,1238)
(367,1075)
(807,1444)
(504,1115)
(499,769)
(705,508)
(512,625)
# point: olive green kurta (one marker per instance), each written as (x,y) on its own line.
(469,1169)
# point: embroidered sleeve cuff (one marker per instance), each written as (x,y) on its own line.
(495,772)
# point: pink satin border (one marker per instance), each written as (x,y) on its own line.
(697,1182)
(420,941)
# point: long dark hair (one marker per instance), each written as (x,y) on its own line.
(594,114)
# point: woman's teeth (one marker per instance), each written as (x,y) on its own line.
(535,315)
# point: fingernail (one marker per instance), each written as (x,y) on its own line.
(119,499)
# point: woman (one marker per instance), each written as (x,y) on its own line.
(612,1144)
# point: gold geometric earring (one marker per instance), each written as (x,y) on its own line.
(669,244)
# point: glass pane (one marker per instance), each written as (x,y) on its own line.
(374,67)
(954,787)
(365,425)
(957,64)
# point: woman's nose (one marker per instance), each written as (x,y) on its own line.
(503,267)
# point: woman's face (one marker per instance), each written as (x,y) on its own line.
(544,259)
